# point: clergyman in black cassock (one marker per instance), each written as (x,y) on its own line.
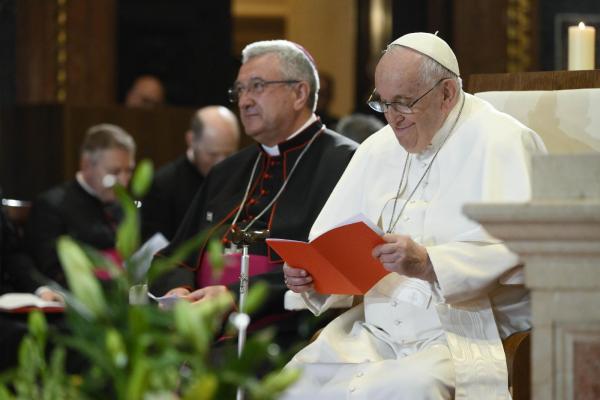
(68,209)
(213,135)
(290,217)
(276,94)
(84,208)
(172,192)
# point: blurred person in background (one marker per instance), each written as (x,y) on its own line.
(214,135)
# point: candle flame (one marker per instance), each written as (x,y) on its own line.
(581,25)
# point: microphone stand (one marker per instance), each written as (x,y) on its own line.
(245,238)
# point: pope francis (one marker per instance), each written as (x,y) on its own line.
(432,328)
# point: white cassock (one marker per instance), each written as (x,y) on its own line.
(410,339)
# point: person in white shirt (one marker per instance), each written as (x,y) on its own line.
(432,328)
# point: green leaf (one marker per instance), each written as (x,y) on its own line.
(116,348)
(142,178)
(128,233)
(38,327)
(164,264)
(204,388)
(5,394)
(256,296)
(79,272)
(137,381)
(190,324)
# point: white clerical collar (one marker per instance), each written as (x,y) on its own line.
(189,153)
(273,151)
(440,136)
(84,185)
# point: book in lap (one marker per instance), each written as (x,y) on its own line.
(25,302)
(340,259)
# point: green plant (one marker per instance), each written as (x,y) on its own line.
(131,352)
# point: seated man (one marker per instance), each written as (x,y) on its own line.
(431,328)
(84,208)
(214,134)
(280,184)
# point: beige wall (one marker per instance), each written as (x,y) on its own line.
(327,29)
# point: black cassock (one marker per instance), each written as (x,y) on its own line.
(291,216)
(173,189)
(68,210)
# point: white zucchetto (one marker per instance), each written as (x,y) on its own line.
(432,46)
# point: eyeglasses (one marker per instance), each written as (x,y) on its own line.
(400,107)
(255,86)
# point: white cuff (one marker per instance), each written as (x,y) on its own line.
(318,303)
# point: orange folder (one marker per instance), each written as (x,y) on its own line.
(339,260)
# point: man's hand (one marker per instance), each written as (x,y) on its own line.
(208,292)
(178,292)
(200,295)
(404,256)
(48,294)
(297,279)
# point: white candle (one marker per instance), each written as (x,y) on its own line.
(581,47)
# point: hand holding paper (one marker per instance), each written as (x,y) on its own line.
(401,254)
(297,279)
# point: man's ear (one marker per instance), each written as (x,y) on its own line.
(302,92)
(85,162)
(189,138)
(450,93)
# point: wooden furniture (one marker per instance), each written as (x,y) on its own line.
(517,348)
(547,80)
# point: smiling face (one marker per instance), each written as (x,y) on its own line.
(397,78)
(271,116)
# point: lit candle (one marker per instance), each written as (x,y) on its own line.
(581,47)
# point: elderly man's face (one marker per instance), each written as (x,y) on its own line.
(267,117)
(216,144)
(397,79)
(116,162)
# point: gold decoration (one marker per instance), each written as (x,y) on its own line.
(518,33)
(61,51)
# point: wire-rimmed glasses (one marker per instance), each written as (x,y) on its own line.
(255,86)
(399,106)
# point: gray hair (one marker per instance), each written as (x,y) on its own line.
(104,137)
(358,126)
(295,63)
(430,71)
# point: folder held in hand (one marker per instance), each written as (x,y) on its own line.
(339,260)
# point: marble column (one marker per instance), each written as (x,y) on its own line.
(557,236)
